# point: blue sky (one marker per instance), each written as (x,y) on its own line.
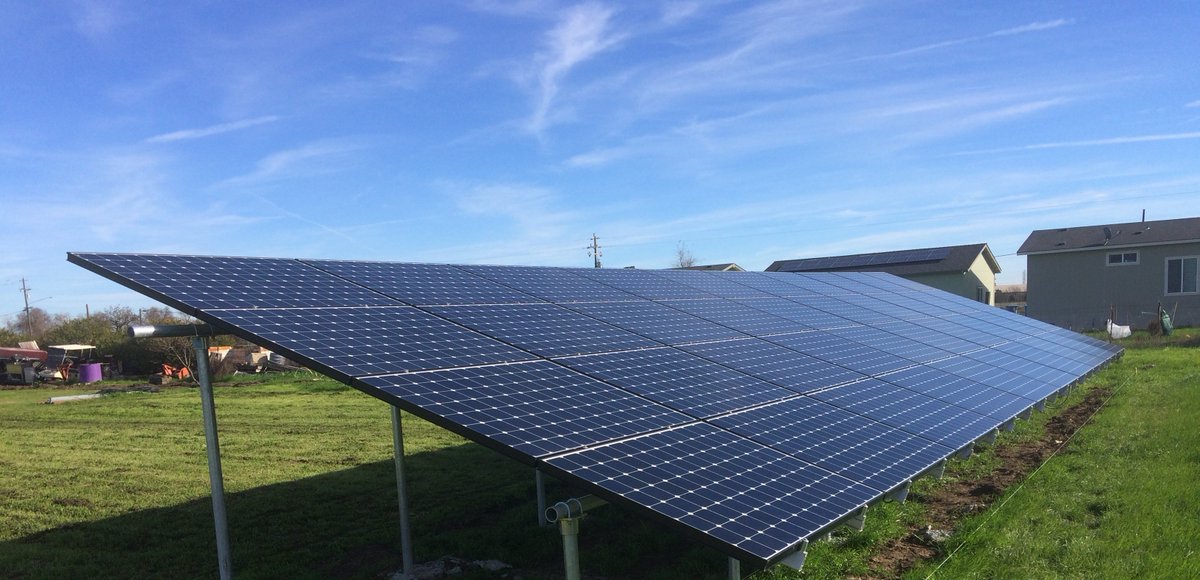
(480,131)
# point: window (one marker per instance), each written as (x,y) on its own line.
(1181,275)
(1122,258)
(982,295)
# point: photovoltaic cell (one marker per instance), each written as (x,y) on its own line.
(645,284)
(793,309)
(738,315)
(965,393)
(656,321)
(679,380)
(713,283)
(777,364)
(756,499)
(847,444)
(537,408)
(766,282)
(1016,384)
(556,285)
(424,284)
(193,283)
(367,341)
(548,330)
(845,353)
(910,411)
(889,343)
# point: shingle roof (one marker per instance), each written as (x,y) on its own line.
(901,262)
(1119,235)
(726,267)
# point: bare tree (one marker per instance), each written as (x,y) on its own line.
(683,257)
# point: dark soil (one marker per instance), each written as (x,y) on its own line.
(954,500)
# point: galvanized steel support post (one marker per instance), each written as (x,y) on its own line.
(569,527)
(406,551)
(215,478)
(735,569)
(539,481)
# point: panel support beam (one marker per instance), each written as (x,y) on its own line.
(900,493)
(215,478)
(735,569)
(406,550)
(795,560)
(858,520)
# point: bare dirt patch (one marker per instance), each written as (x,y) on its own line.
(954,500)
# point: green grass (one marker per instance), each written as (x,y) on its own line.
(1121,501)
(118,487)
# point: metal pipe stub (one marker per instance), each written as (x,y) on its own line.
(170,330)
(572,508)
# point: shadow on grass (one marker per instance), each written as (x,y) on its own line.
(465,501)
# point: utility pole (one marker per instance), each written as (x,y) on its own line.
(28,323)
(594,250)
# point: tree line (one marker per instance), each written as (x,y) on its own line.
(106,330)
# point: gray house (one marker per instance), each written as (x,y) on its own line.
(1076,275)
(969,271)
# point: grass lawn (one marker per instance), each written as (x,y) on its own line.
(118,487)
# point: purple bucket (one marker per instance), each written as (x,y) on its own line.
(90,373)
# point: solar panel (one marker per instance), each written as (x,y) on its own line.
(752,498)
(777,364)
(910,411)
(556,285)
(845,443)
(657,321)
(424,284)
(537,408)
(998,404)
(713,283)
(845,353)
(679,380)
(366,341)
(753,410)
(793,309)
(646,284)
(548,330)
(193,283)
(867,260)
(738,315)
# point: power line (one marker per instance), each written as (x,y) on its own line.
(594,250)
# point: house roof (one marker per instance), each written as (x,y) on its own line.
(1119,235)
(939,260)
(726,267)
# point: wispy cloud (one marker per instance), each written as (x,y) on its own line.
(95,19)
(312,159)
(1089,143)
(581,33)
(1023,29)
(188,134)
(1193,105)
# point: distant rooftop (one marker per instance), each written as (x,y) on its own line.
(1117,235)
(901,262)
(726,267)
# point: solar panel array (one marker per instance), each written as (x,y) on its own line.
(754,410)
(861,260)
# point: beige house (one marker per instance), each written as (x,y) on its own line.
(969,271)
(1078,275)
